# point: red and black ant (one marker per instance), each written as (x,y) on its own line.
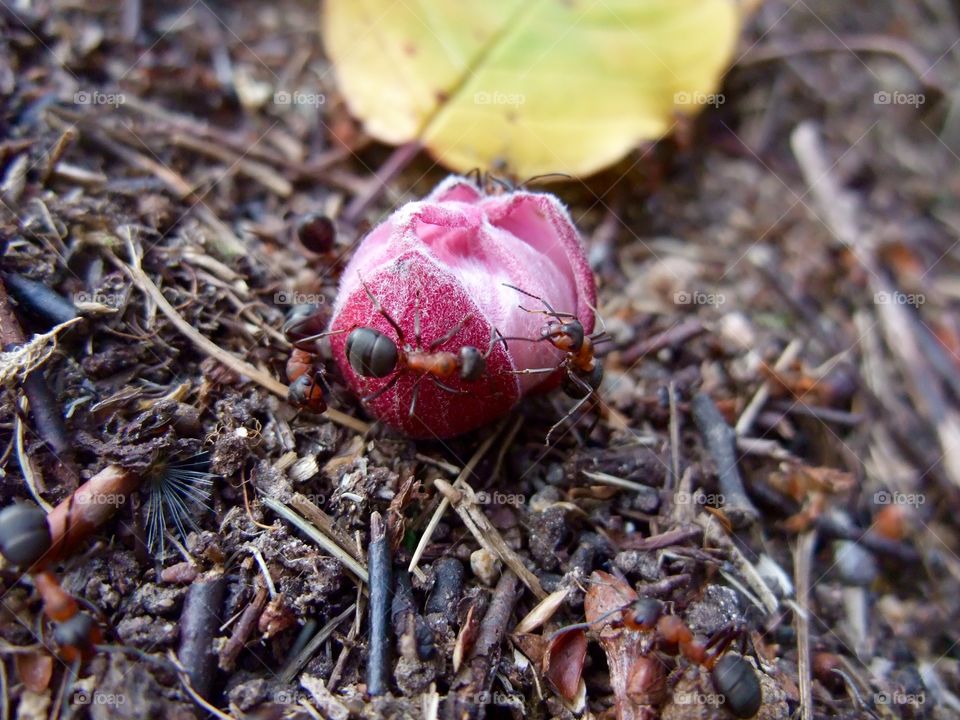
(304,372)
(372,354)
(582,370)
(732,675)
(26,541)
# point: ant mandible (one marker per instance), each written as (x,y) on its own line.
(583,371)
(733,676)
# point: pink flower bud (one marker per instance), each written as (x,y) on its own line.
(443,264)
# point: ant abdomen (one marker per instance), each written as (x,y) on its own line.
(371,353)
(735,679)
(77,636)
(24,534)
(566,336)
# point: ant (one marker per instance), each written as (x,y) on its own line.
(583,371)
(733,677)
(303,369)
(25,540)
(372,354)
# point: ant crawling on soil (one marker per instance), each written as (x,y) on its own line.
(303,370)
(732,676)
(583,371)
(25,540)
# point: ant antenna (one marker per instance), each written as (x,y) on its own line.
(379,308)
(550,311)
(318,336)
(541,176)
(451,332)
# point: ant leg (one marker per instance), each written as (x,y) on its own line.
(379,308)
(381,391)
(450,333)
(447,387)
(535,371)
(413,400)
(496,337)
(416,319)
(563,419)
(590,395)
(550,310)
(506,186)
(596,314)
(719,643)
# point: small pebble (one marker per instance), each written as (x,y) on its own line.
(855,564)
(485,566)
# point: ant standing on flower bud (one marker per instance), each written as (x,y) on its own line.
(372,354)
(582,370)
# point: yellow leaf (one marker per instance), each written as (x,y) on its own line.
(536,85)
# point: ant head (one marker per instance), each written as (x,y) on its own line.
(24,534)
(472,363)
(304,322)
(574,331)
(371,353)
(306,393)
(566,336)
(643,613)
(77,636)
